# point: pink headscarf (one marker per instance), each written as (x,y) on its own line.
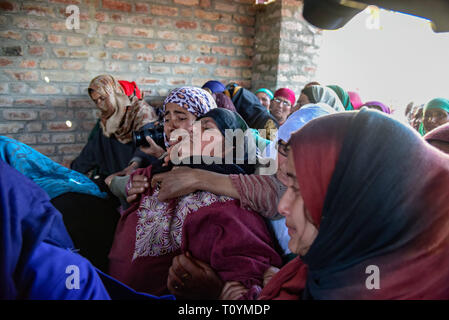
(287,94)
(355,99)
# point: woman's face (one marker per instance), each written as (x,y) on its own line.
(176,117)
(103,104)
(212,141)
(301,229)
(264,99)
(435,118)
(303,100)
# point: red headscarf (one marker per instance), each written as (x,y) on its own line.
(287,94)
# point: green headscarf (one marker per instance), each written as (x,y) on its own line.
(268,92)
(437,103)
(343,95)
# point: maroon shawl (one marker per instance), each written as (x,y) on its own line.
(233,241)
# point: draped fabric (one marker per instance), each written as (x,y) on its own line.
(380,197)
(23,229)
(378,104)
(320,94)
(440,133)
(49,175)
(437,103)
(344,97)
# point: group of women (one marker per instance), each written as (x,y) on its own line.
(355,190)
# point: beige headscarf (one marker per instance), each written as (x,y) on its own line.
(120,116)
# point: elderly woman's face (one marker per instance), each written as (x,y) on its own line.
(176,117)
(301,229)
(435,118)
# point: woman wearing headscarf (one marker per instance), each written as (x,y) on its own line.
(364,229)
(320,94)
(122,111)
(344,97)
(377,105)
(435,114)
(151,232)
(265,96)
(439,138)
(256,192)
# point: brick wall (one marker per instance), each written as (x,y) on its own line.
(286,48)
(161,44)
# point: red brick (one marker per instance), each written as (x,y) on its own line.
(27,76)
(140,20)
(164,22)
(117,17)
(59,126)
(34,102)
(34,127)
(223,50)
(29,23)
(117,5)
(225,28)
(164,11)
(103,29)
(188,25)
(136,45)
(45,89)
(207,37)
(36,51)
(205,3)
(115,44)
(36,10)
(63,138)
(174,46)
(6,102)
(21,88)
(224,62)
(206,60)
(121,31)
(19,114)
(61,52)
(3,88)
(101,17)
(79,54)
(74,41)
(11,35)
(243,41)
(206,15)
(227,7)
(5,62)
(35,36)
(72,65)
(167,35)
(45,150)
(167,58)
(67,1)
(188,2)
(142,8)
(27,138)
(241,63)
(47,115)
(152,46)
(227,72)
(184,59)
(144,57)
(239,19)
(159,69)
(54,38)
(177,82)
(183,70)
(122,56)
(28,64)
(144,80)
(186,13)
(11,127)
(140,32)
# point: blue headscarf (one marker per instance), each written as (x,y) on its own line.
(49,175)
(214,86)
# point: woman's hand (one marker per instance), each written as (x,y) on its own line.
(125,172)
(177,182)
(189,278)
(232,290)
(139,184)
(153,150)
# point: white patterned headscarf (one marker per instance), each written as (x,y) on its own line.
(195,100)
